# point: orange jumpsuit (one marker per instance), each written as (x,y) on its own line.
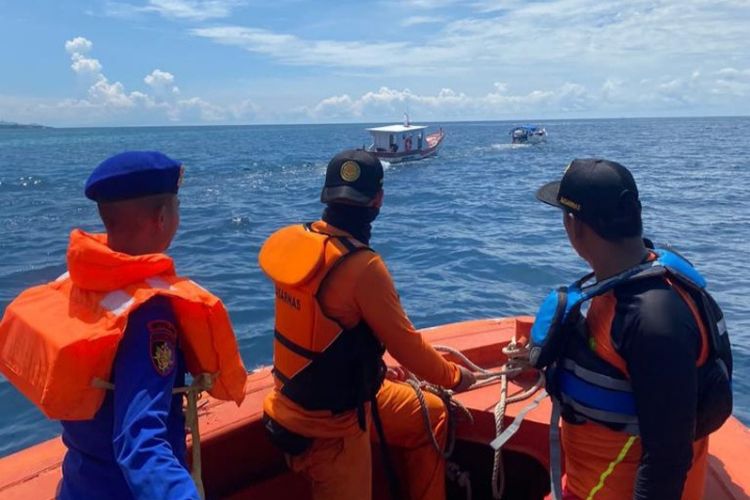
(338,463)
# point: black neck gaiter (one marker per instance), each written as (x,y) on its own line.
(352,219)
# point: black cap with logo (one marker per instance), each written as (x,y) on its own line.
(353,177)
(598,191)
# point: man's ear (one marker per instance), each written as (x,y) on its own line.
(577,227)
(161,217)
(377,202)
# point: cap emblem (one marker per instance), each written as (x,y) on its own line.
(570,203)
(350,171)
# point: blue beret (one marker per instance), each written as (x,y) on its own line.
(133,174)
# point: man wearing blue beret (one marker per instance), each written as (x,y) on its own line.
(135,445)
(111,328)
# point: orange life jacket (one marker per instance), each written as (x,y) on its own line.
(56,339)
(318,363)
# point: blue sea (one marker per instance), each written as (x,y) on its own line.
(462,233)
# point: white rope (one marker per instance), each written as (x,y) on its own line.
(498,472)
(517,362)
(202,382)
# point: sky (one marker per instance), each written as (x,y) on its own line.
(204,62)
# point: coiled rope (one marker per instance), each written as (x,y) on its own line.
(517,362)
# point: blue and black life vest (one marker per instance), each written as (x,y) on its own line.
(590,389)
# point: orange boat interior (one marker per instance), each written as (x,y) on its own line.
(238,461)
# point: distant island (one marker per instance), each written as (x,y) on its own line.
(4,124)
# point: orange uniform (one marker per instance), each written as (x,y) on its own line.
(359,289)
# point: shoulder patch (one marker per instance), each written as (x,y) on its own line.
(162,346)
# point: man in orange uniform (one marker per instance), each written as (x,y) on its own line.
(337,311)
(646,375)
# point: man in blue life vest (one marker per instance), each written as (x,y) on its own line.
(134,447)
(645,376)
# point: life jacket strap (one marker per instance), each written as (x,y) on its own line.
(390,471)
(511,430)
(283,378)
(294,347)
(555,458)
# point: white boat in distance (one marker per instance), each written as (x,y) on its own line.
(404,142)
(528,134)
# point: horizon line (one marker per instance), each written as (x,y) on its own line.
(365,123)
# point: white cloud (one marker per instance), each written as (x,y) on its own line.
(198,10)
(733,82)
(110,94)
(161,81)
(620,96)
(416,20)
(292,50)
(612,89)
(387,102)
(189,10)
(110,99)
(557,37)
(197,109)
(733,74)
(78,45)
(431,4)
(82,64)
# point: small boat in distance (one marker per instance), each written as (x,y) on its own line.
(404,142)
(528,134)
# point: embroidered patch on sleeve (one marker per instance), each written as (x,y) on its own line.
(163,346)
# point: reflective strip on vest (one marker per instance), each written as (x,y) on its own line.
(159,283)
(117,302)
(629,423)
(597,378)
(721,327)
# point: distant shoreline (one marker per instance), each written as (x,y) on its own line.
(14,125)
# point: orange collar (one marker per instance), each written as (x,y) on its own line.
(94,266)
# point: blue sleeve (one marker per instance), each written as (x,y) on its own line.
(144,374)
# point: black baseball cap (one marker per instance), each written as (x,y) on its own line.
(596,190)
(353,177)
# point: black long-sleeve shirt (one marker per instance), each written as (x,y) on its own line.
(655,332)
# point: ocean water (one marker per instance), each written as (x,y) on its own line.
(462,233)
